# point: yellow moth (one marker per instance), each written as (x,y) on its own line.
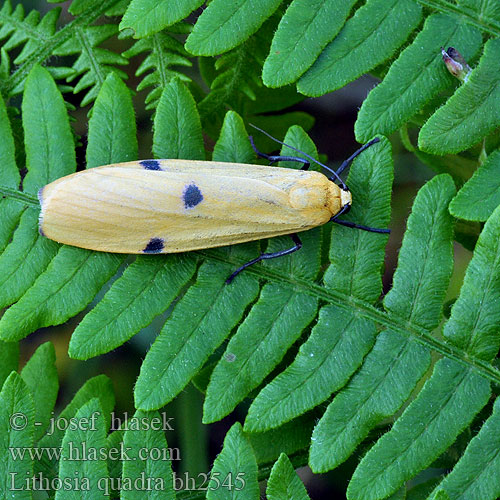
(184,205)
(167,206)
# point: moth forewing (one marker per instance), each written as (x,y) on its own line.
(167,206)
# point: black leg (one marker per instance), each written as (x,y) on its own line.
(345,209)
(359,226)
(264,256)
(347,163)
(273,159)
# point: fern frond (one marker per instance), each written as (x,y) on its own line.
(284,483)
(448,131)
(177,131)
(372,392)
(275,321)
(476,470)
(370,37)
(49,155)
(40,41)
(474,319)
(237,455)
(445,406)
(30,32)
(416,77)
(16,399)
(351,284)
(234,81)
(73,276)
(147,17)
(222,26)
(304,30)
(41,366)
(481,194)
(325,367)
(93,63)
(164,52)
(70,467)
(187,340)
(148,438)
(100,387)
(354,270)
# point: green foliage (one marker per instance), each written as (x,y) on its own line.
(149,438)
(470,467)
(284,482)
(177,128)
(40,41)
(164,52)
(473,323)
(16,399)
(72,465)
(366,40)
(147,17)
(480,195)
(223,26)
(235,464)
(41,366)
(319,368)
(476,101)
(306,22)
(416,76)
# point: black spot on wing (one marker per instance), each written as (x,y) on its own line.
(155,245)
(151,164)
(192,196)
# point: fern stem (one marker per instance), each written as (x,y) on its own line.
(489,25)
(162,70)
(366,310)
(405,139)
(18,195)
(87,47)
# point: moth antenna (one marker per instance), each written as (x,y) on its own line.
(341,182)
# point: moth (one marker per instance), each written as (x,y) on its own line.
(169,206)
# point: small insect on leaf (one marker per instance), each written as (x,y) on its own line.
(456,63)
(169,206)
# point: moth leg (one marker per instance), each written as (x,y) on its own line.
(264,256)
(360,226)
(346,223)
(347,163)
(273,159)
